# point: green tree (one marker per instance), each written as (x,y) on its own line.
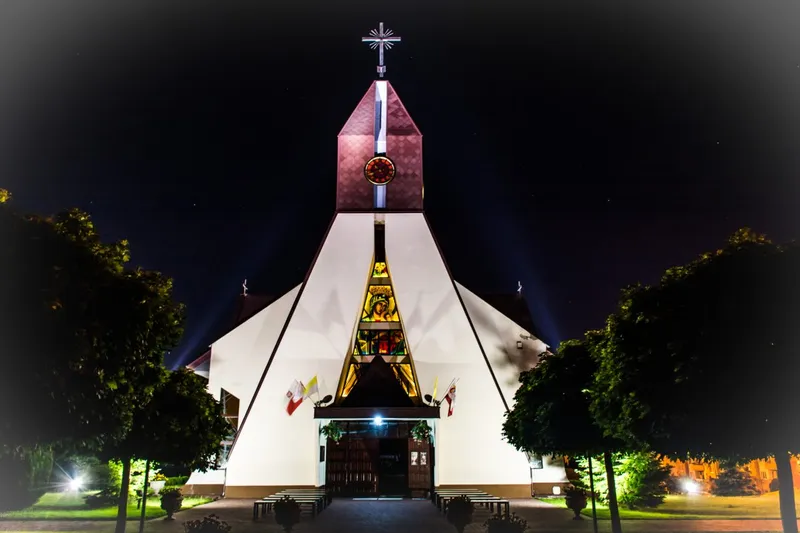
(182,424)
(645,479)
(674,348)
(84,337)
(640,478)
(733,480)
(551,411)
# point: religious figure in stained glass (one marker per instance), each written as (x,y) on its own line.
(379,305)
(379,270)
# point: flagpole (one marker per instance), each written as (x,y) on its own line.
(452,382)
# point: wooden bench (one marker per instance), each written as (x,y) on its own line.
(264,505)
(440,497)
(489,501)
(326,497)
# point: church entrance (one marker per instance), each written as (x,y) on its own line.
(379,461)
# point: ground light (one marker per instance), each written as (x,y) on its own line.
(75,484)
(691,487)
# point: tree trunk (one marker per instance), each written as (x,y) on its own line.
(786,492)
(122,509)
(591,488)
(616,525)
(144,496)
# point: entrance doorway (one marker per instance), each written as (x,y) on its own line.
(393,467)
(378,460)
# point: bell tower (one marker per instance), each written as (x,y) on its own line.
(379,138)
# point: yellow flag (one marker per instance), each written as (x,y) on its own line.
(311,388)
(435,386)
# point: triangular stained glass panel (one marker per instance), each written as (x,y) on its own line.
(380,334)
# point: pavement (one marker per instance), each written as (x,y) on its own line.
(347,516)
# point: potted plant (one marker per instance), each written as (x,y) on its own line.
(171,501)
(501,523)
(158,482)
(459,512)
(333,431)
(287,513)
(209,524)
(421,431)
(576,500)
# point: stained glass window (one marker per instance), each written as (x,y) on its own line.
(379,305)
(380,335)
(379,270)
(376,342)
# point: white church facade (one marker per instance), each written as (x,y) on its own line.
(378,320)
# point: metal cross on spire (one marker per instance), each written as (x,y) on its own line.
(381,39)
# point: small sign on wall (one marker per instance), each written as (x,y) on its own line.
(414,458)
(536,462)
(423,458)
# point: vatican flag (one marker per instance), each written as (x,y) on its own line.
(311,388)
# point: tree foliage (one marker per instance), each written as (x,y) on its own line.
(181,424)
(551,410)
(641,479)
(551,407)
(85,336)
(673,350)
(25,474)
(733,480)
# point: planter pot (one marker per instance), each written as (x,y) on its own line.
(576,504)
(171,506)
(157,486)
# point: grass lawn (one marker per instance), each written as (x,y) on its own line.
(697,507)
(70,506)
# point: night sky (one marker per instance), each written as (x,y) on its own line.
(577,149)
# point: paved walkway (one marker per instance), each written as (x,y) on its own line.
(347,516)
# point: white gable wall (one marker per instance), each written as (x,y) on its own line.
(274,449)
(469,445)
(239,358)
(499,336)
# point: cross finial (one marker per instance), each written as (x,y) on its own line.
(244,288)
(381,39)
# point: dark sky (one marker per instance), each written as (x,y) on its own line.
(574,148)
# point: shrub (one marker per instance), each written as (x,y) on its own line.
(287,513)
(171,501)
(501,523)
(459,512)
(25,475)
(644,481)
(209,524)
(641,479)
(774,485)
(576,500)
(733,481)
(105,498)
(177,481)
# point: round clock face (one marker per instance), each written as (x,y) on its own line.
(379,170)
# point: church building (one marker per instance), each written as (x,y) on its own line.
(377,342)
